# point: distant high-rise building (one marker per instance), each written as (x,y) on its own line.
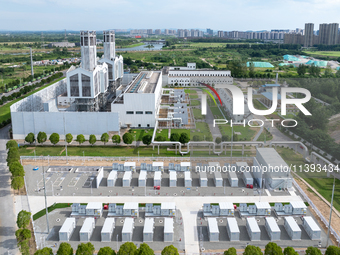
(328,34)
(200,33)
(149,31)
(158,31)
(309,34)
(166,31)
(220,33)
(180,33)
(210,31)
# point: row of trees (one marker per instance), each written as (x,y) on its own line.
(15,168)
(130,248)
(127,248)
(23,234)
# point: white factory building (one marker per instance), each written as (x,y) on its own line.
(190,76)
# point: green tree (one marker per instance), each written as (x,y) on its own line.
(196,138)
(332,250)
(42,137)
(301,70)
(65,249)
(23,219)
(147,139)
(252,250)
(328,72)
(85,249)
(313,251)
(80,139)
(289,251)
(170,250)
(116,139)
(12,155)
(184,138)
(17,182)
(24,248)
(106,251)
(30,138)
(225,138)
(160,138)
(69,138)
(23,234)
(54,138)
(272,249)
(218,140)
(92,139)
(11,144)
(251,70)
(44,251)
(128,248)
(144,249)
(337,74)
(104,138)
(127,138)
(235,137)
(230,251)
(16,169)
(174,137)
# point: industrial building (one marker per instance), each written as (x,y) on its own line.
(111,179)
(294,207)
(233,229)
(127,230)
(273,229)
(86,230)
(157,178)
(172,178)
(312,229)
(247,179)
(253,229)
(148,230)
(187,179)
(213,231)
(67,229)
(233,179)
(142,178)
(91,209)
(127,179)
(218,180)
(168,230)
(203,179)
(107,230)
(292,228)
(130,209)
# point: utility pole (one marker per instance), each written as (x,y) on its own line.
(231,147)
(65,138)
(330,214)
(48,225)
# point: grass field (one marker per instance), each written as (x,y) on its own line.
(202,130)
(265,134)
(324,53)
(193,96)
(197,114)
(195,102)
(132,45)
(5,112)
(246,132)
(205,45)
(258,105)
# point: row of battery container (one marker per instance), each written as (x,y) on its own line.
(155,166)
(271,226)
(88,227)
(157,179)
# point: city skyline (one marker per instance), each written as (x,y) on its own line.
(220,15)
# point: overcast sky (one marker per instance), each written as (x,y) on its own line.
(122,14)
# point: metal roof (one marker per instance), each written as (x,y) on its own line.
(233,175)
(262,205)
(128,225)
(215,164)
(185,164)
(94,205)
(203,175)
(269,95)
(107,227)
(292,223)
(173,175)
(247,174)
(142,175)
(168,225)
(127,175)
(272,224)
(87,225)
(311,223)
(130,205)
(158,175)
(241,164)
(271,85)
(254,227)
(213,227)
(218,175)
(112,175)
(168,205)
(187,175)
(226,205)
(157,164)
(148,225)
(271,157)
(232,223)
(129,163)
(67,224)
(298,204)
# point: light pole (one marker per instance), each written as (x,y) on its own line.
(117,242)
(83,157)
(48,225)
(330,214)
(231,148)
(65,138)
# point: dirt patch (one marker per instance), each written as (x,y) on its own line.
(31,241)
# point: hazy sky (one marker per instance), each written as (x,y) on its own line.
(216,14)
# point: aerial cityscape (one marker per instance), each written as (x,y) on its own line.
(155,134)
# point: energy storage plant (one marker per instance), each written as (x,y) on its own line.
(312,229)
(127,230)
(157,179)
(263,208)
(142,178)
(187,179)
(67,229)
(213,232)
(226,209)
(273,229)
(127,179)
(94,209)
(130,209)
(107,230)
(233,230)
(86,230)
(253,229)
(247,179)
(233,179)
(157,166)
(292,228)
(148,230)
(272,168)
(172,178)
(168,230)
(298,207)
(111,179)
(130,166)
(218,179)
(203,179)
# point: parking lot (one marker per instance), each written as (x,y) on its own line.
(224,240)
(57,218)
(72,183)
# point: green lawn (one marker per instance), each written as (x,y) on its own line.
(50,209)
(216,112)
(190,91)
(264,134)
(258,105)
(197,114)
(202,130)
(132,45)
(246,132)
(195,102)
(324,53)
(193,96)
(5,112)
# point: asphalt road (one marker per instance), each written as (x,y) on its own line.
(8,243)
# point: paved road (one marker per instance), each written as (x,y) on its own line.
(189,207)
(8,241)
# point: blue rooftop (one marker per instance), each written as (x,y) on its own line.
(269,95)
(271,85)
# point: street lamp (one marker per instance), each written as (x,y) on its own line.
(48,225)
